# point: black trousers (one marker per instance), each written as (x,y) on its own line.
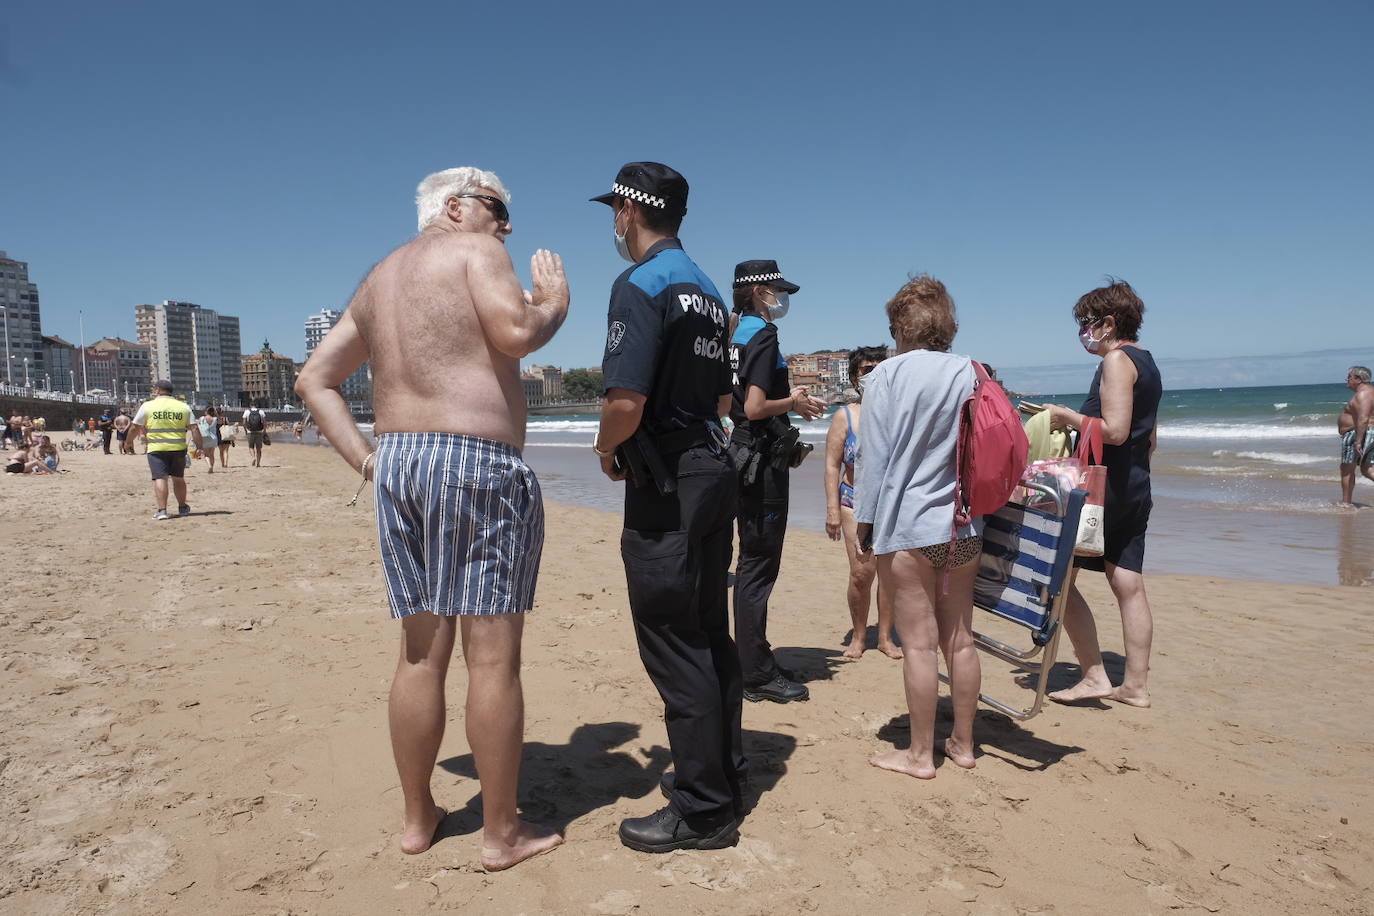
(762,527)
(676,551)
(105,435)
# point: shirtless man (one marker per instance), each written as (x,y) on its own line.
(1356,426)
(459,515)
(121,428)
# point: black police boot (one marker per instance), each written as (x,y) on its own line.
(779,690)
(664,831)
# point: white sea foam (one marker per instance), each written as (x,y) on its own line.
(1280,405)
(1285,457)
(1241,431)
(563,426)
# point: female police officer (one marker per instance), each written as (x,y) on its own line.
(765,447)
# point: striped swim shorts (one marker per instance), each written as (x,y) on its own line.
(460,522)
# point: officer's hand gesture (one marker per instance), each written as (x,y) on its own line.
(806,407)
(549,281)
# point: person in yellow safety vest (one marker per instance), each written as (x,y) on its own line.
(164,422)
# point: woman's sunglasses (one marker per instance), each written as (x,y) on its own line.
(496,205)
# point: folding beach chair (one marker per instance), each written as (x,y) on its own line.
(1024,577)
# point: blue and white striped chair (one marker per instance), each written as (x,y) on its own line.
(1024,577)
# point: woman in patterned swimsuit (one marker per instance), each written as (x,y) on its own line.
(905,487)
(841,450)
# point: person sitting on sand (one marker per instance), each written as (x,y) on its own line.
(43,458)
(1125,395)
(905,514)
(841,449)
(1356,426)
(460,519)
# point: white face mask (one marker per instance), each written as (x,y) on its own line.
(781,302)
(1090,343)
(622,247)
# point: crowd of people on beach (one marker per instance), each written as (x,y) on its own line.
(460,516)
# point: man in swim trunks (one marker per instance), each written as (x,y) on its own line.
(1356,426)
(460,521)
(121,429)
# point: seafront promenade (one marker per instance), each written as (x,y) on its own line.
(194,720)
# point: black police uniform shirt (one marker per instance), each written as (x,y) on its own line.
(756,360)
(666,339)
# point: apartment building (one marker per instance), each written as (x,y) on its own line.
(132,370)
(20,324)
(195,348)
(357,388)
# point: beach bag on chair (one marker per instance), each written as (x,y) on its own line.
(1092,540)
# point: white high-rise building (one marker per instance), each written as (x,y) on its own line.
(196,349)
(357,388)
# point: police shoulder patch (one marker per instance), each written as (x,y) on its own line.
(615,334)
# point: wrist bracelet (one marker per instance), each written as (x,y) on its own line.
(600,452)
(363,471)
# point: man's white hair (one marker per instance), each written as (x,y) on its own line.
(436,189)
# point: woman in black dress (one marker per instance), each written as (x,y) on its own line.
(1125,395)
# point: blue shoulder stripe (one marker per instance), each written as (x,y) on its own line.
(667,268)
(748,326)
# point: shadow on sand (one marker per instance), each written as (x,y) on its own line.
(996,735)
(562,783)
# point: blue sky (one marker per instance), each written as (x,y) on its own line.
(257,158)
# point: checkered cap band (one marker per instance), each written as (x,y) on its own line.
(757,278)
(636,194)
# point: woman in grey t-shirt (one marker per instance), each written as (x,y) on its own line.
(905,509)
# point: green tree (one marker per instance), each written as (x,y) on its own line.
(582,385)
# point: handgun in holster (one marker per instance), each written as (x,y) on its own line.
(639,457)
(786,449)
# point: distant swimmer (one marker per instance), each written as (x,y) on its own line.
(460,519)
(1356,426)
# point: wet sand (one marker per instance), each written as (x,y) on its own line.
(194,721)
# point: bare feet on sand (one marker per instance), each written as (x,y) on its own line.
(1083,690)
(529,841)
(1131,696)
(854,649)
(890,649)
(958,753)
(416,838)
(904,762)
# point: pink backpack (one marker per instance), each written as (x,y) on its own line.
(991,452)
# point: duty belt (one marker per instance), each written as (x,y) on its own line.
(699,433)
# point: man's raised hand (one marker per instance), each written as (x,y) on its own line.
(548,279)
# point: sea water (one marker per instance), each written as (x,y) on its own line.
(1245,483)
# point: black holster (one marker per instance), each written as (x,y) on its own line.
(639,457)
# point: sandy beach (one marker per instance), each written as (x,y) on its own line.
(194,722)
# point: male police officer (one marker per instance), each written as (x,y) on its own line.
(667,383)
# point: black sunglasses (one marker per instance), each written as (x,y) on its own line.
(496,205)
(867,368)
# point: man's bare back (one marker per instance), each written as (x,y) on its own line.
(433,367)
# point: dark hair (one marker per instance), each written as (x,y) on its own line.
(923,313)
(1115,300)
(864,355)
(665,221)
